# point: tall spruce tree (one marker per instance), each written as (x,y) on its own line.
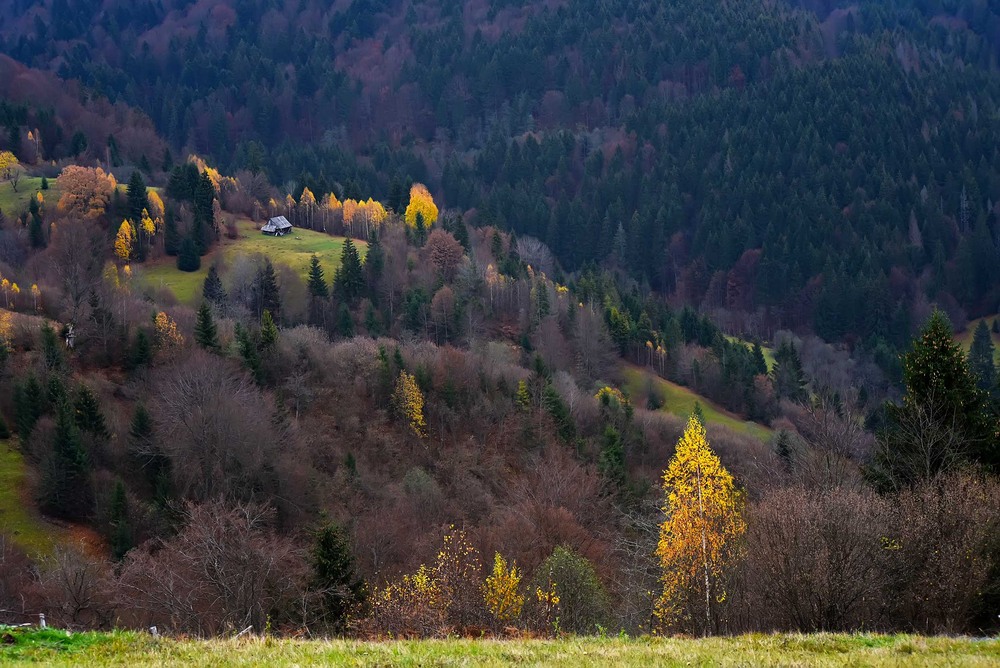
(205,331)
(981,358)
(944,420)
(374,266)
(66,490)
(212,289)
(264,292)
(349,279)
(789,379)
(171,235)
(120,528)
(189,258)
(137,197)
(335,576)
(317,284)
(89,417)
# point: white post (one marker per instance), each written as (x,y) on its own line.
(41,620)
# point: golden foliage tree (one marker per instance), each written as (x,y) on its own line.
(704,517)
(409,403)
(421,202)
(10,168)
(124,241)
(156,210)
(85,191)
(167,335)
(502,590)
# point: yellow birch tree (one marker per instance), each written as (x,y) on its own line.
(409,402)
(123,241)
(421,202)
(704,518)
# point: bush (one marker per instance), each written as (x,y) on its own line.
(582,602)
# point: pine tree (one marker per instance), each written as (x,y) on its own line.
(523,397)
(264,293)
(137,197)
(66,490)
(704,518)
(142,351)
(29,405)
(268,331)
(317,284)
(335,576)
(759,362)
(789,379)
(374,266)
(189,258)
(981,358)
(349,279)
(120,528)
(171,235)
(554,405)
(345,322)
(212,289)
(89,417)
(612,460)
(249,352)
(205,332)
(944,418)
(52,352)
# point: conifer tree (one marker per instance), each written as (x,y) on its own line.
(981,358)
(171,235)
(137,197)
(264,293)
(89,417)
(704,518)
(29,405)
(142,351)
(789,379)
(268,331)
(349,279)
(120,527)
(612,460)
(66,491)
(212,289)
(554,405)
(335,576)
(205,331)
(317,284)
(189,259)
(374,266)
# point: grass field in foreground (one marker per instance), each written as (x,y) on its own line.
(29,532)
(294,250)
(52,647)
(679,401)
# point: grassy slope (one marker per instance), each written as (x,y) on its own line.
(680,401)
(13,203)
(294,250)
(132,649)
(17,518)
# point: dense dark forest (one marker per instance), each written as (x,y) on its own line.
(565,259)
(832,165)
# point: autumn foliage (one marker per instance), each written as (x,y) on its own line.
(421,202)
(86,191)
(704,512)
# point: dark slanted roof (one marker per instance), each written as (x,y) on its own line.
(276,224)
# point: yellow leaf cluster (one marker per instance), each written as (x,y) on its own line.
(167,335)
(331,202)
(123,241)
(421,202)
(501,591)
(307,199)
(147,224)
(8,163)
(704,515)
(611,396)
(409,402)
(85,191)
(6,327)
(156,210)
(213,174)
(364,212)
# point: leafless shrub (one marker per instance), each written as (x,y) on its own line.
(224,571)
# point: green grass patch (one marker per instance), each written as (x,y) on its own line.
(13,203)
(139,649)
(17,519)
(680,401)
(293,250)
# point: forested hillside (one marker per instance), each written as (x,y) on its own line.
(742,155)
(609,315)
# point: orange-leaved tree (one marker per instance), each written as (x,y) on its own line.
(85,191)
(698,538)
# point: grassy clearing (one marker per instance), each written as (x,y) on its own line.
(13,203)
(679,401)
(53,647)
(17,520)
(293,250)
